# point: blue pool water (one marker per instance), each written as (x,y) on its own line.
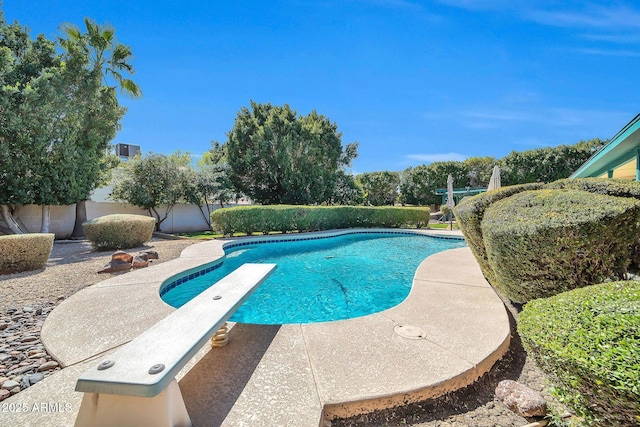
(326,279)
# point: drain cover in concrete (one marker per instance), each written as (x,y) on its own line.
(410,331)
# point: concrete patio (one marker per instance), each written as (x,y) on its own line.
(448,332)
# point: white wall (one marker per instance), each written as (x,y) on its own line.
(181,219)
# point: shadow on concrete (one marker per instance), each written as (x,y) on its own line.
(212,387)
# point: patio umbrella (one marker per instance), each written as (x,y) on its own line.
(494,181)
(450,201)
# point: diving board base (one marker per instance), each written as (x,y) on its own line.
(166,409)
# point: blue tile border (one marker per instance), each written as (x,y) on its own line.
(166,287)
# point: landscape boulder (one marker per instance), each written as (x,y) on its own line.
(123,256)
(150,254)
(139,262)
(521,399)
(116,266)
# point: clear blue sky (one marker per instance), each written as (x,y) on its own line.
(412,81)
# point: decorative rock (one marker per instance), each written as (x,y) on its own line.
(47,366)
(28,309)
(3,379)
(31,379)
(29,338)
(151,254)
(21,370)
(521,399)
(37,355)
(142,255)
(116,266)
(3,326)
(138,262)
(121,255)
(9,385)
(34,378)
(4,394)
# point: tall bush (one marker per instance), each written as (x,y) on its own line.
(543,242)
(588,341)
(469,214)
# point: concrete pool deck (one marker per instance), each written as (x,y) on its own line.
(448,332)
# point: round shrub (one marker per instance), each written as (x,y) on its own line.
(610,187)
(544,242)
(469,214)
(119,231)
(588,340)
(24,252)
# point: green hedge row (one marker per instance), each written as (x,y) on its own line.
(119,231)
(470,212)
(285,218)
(543,242)
(24,252)
(589,340)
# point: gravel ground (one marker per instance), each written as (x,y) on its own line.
(27,298)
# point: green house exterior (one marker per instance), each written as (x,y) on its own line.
(619,158)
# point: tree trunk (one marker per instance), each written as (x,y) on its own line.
(154,213)
(46,218)
(81,216)
(8,218)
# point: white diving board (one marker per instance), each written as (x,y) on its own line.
(136,386)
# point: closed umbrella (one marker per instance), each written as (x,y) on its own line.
(494,181)
(450,201)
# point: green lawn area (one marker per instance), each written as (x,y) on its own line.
(443,226)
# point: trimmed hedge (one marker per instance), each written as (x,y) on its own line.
(609,187)
(543,242)
(286,218)
(469,214)
(119,231)
(589,340)
(24,252)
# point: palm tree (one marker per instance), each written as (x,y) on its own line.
(107,59)
(106,56)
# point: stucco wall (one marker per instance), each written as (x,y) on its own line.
(181,219)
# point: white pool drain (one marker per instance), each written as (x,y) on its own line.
(410,331)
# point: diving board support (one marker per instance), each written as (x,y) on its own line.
(136,385)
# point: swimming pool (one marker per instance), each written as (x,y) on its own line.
(320,279)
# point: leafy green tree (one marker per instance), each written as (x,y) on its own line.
(210,182)
(153,181)
(56,123)
(277,156)
(380,188)
(418,185)
(546,164)
(348,191)
(480,170)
